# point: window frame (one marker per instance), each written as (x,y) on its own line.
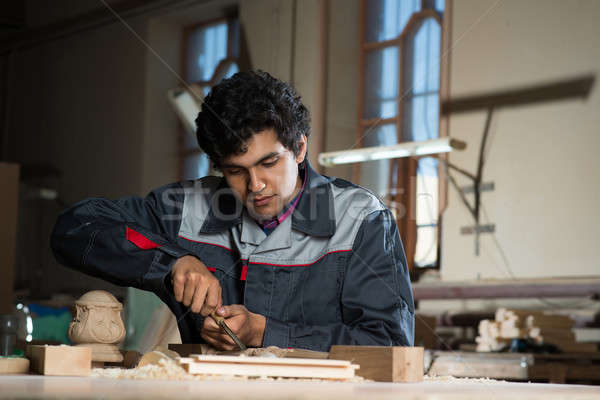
(404,170)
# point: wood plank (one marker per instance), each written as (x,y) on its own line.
(268,366)
(197,358)
(60,360)
(382,363)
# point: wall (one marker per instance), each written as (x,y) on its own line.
(288,39)
(342,80)
(160,157)
(66,112)
(542,157)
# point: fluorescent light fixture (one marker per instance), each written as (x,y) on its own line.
(407,149)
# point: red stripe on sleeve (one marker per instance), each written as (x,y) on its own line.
(244,273)
(211,269)
(140,240)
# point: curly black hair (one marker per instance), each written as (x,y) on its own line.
(245,104)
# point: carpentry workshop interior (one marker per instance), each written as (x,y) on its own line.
(270,199)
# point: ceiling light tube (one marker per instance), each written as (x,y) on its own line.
(406,149)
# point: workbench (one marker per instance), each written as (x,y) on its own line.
(47,387)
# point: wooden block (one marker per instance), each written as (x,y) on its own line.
(60,360)
(14,365)
(383,364)
(185,349)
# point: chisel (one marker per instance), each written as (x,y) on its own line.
(221,322)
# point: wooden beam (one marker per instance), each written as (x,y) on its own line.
(510,288)
(579,87)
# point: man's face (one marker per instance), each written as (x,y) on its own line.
(265,178)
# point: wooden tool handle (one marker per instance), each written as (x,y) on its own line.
(216,317)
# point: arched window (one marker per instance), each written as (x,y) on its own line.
(403,73)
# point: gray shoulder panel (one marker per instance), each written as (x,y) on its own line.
(196,206)
(352,204)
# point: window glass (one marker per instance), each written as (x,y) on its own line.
(375,175)
(207,46)
(381,89)
(427,212)
(387,18)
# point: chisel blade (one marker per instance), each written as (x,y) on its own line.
(232,335)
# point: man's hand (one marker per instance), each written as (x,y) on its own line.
(247,326)
(195,286)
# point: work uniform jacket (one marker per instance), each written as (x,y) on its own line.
(334,272)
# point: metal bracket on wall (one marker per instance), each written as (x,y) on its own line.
(469,230)
(484,187)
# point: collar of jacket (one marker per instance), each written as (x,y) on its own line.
(314,213)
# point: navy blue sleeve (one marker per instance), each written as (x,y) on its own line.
(377,302)
(129,242)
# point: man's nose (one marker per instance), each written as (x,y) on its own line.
(255,182)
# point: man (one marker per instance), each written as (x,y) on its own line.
(289,257)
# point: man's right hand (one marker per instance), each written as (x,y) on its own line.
(195,286)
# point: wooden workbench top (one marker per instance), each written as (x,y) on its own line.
(47,387)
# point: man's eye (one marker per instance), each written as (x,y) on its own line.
(270,163)
(234,171)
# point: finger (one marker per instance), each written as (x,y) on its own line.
(213,298)
(178,285)
(221,311)
(211,325)
(219,337)
(189,289)
(233,310)
(199,297)
(217,343)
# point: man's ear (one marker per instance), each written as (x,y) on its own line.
(302,150)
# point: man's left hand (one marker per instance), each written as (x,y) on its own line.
(248,327)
